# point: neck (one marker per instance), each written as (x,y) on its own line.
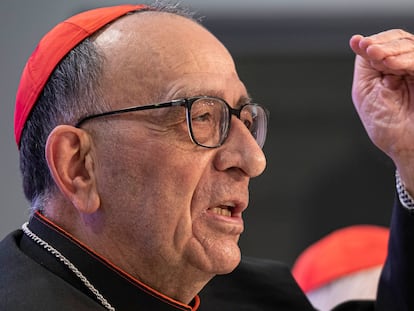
(177,280)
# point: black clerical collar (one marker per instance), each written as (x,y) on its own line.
(121,290)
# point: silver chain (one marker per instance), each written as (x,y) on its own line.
(67,263)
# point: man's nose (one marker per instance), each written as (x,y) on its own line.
(240,150)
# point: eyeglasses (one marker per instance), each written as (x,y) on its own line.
(208,119)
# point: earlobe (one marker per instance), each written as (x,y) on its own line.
(71,164)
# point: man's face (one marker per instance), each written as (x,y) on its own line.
(170,203)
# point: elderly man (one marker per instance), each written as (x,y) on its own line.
(137,142)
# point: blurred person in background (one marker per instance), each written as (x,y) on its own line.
(342,266)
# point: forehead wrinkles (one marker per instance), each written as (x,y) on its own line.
(177,43)
(149,49)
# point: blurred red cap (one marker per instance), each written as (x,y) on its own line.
(341,253)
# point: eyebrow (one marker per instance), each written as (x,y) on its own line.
(243,100)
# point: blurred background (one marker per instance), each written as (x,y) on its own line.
(322,174)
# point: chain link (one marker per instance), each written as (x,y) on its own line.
(69,264)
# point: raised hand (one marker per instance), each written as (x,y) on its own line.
(383,94)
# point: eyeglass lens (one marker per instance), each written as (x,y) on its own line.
(210,121)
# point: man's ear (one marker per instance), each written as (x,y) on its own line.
(71,164)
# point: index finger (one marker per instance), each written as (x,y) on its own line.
(384,44)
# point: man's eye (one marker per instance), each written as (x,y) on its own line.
(247,123)
(205,117)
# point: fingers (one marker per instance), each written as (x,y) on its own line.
(387,43)
(355,42)
(391,50)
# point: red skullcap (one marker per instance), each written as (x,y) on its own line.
(51,49)
(339,254)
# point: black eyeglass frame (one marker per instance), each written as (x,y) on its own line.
(187,103)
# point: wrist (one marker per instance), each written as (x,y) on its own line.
(404,196)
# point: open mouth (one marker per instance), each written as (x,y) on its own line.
(222,210)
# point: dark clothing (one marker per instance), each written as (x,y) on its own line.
(36,279)
(396,288)
(31,278)
(256,284)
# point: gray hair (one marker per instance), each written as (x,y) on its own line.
(72,91)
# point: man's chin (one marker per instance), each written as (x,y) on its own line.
(219,256)
(227,263)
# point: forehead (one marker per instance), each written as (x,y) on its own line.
(158,54)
